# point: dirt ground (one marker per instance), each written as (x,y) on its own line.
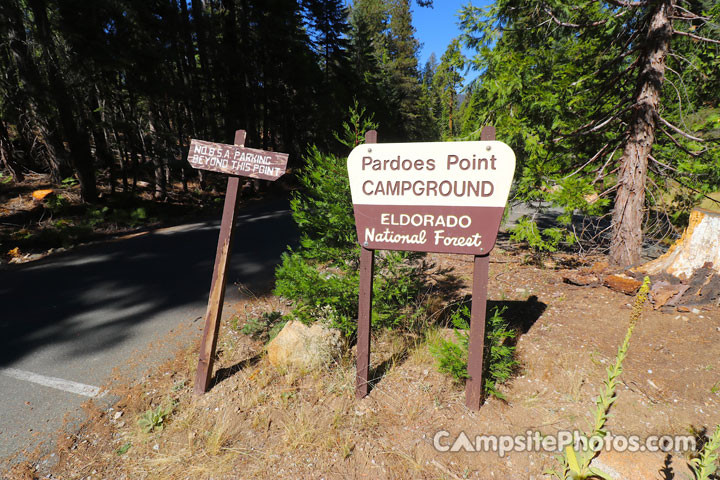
(258,422)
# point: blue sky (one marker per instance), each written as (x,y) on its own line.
(437,26)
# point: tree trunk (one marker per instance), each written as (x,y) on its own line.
(7,154)
(102,149)
(41,144)
(78,139)
(628,214)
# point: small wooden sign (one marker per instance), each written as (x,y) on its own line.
(445,197)
(232,160)
(237,160)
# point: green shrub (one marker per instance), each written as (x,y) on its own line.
(498,361)
(321,277)
(56,203)
(69,182)
(540,241)
(323,210)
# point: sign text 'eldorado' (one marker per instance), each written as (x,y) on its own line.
(445,197)
(237,160)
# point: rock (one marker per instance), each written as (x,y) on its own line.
(581,278)
(600,267)
(635,465)
(117,415)
(622,283)
(303,347)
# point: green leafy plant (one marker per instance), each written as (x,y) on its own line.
(124,449)
(452,357)
(541,242)
(69,182)
(705,465)
(498,361)
(139,215)
(97,216)
(353,130)
(266,327)
(5,178)
(154,419)
(56,203)
(575,461)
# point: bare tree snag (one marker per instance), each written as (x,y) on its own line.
(698,247)
(628,213)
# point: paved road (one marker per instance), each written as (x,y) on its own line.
(68,320)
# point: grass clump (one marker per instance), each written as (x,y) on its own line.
(498,361)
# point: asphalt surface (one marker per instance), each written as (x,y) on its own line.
(68,320)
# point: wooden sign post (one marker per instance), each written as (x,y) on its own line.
(232,160)
(444,197)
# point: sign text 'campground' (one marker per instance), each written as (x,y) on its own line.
(444,197)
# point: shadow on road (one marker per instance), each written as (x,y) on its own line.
(94,297)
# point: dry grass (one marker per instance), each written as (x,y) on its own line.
(263,423)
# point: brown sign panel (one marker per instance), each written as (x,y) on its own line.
(445,197)
(428,228)
(237,160)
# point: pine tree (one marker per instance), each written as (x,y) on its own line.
(580,90)
(447,82)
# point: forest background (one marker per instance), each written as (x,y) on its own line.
(611,106)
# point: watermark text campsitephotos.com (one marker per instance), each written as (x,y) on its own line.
(534,441)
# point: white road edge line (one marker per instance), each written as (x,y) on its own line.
(52,382)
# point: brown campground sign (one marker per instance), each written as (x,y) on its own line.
(429,197)
(237,160)
(445,197)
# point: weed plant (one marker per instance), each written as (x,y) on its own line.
(154,419)
(705,466)
(575,461)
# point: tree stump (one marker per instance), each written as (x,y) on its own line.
(699,245)
(690,270)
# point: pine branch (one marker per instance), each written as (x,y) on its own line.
(683,148)
(627,3)
(573,25)
(600,172)
(677,130)
(690,14)
(592,159)
(696,37)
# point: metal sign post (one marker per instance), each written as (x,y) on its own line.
(233,160)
